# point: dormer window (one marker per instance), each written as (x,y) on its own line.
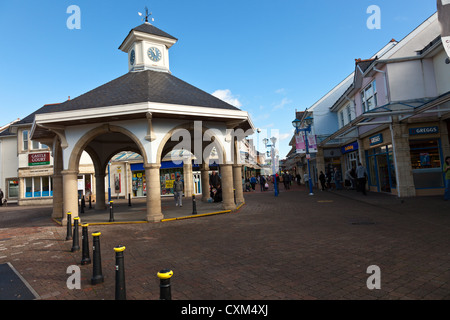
(369,97)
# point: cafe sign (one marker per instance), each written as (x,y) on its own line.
(424,130)
(38,159)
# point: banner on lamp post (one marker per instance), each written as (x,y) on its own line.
(443,9)
(300,145)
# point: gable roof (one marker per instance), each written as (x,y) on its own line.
(151,29)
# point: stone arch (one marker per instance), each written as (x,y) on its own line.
(190,127)
(83,142)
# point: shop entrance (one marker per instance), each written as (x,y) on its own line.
(381,168)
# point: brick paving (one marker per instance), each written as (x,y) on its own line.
(294,247)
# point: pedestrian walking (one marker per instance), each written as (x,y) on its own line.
(262,183)
(178,191)
(1,197)
(447,178)
(322,180)
(306,179)
(299,178)
(361,175)
(286,181)
(253,182)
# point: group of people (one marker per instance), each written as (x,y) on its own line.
(215,189)
(355,178)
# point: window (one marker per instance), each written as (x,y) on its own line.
(38,187)
(349,114)
(25,140)
(341,119)
(13,188)
(369,97)
(36,145)
(426,163)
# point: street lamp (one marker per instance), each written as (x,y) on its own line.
(272,153)
(109,182)
(297,124)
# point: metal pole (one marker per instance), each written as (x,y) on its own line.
(86,259)
(165,290)
(309,168)
(275,184)
(97,276)
(121,293)
(111,213)
(69,226)
(75,242)
(109,183)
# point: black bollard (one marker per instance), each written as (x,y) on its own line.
(97,276)
(121,293)
(75,242)
(90,203)
(86,259)
(194,205)
(129,199)
(165,290)
(83,202)
(69,226)
(111,213)
(234,193)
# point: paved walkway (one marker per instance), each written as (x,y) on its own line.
(293,247)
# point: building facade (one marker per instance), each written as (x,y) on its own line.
(393,116)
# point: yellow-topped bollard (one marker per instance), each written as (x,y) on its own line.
(165,287)
(97,276)
(86,259)
(69,226)
(75,242)
(120,273)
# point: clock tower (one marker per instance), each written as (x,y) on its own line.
(148,48)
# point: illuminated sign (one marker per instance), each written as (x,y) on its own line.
(424,130)
(350,147)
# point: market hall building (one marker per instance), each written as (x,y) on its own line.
(147,111)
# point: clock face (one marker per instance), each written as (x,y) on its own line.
(154,54)
(132,57)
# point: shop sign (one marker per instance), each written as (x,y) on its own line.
(39,159)
(377,139)
(424,130)
(350,147)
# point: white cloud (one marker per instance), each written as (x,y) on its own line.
(284,136)
(281,105)
(227,96)
(280,91)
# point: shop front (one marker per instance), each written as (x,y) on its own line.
(380,163)
(427,158)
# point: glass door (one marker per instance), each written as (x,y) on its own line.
(383,173)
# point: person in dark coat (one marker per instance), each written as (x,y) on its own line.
(322,180)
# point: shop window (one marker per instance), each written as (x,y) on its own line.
(37,187)
(13,188)
(426,163)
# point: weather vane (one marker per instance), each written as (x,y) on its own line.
(147,15)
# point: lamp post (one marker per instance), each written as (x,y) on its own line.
(109,183)
(272,153)
(297,124)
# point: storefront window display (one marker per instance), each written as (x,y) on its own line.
(381,168)
(37,187)
(426,163)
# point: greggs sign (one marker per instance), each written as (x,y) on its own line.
(39,159)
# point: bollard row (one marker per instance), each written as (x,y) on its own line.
(97,275)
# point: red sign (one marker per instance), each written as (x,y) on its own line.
(38,159)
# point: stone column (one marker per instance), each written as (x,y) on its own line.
(402,160)
(237,182)
(57,183)
(320,162)
(204,169)
(188,177)
(70,194)
(227,186)
(152,178)
(100,191)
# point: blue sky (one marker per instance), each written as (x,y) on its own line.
(271,57)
